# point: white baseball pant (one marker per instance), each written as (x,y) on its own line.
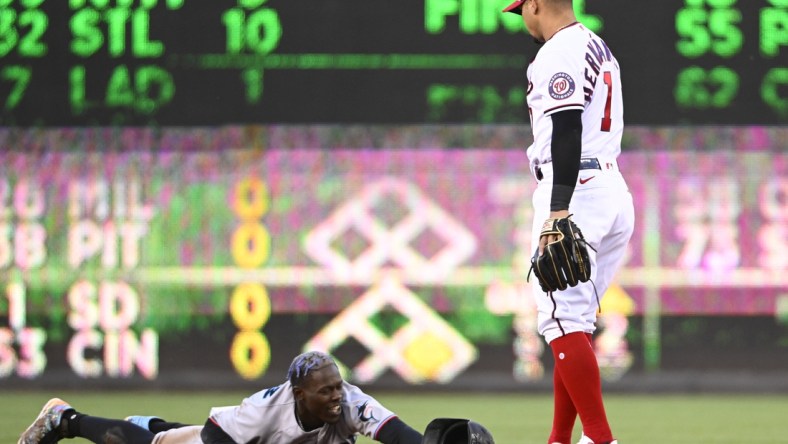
(603,209)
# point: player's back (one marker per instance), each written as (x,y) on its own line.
(603,119)
(595,79)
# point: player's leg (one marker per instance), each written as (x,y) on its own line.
(581,375)
(576,363)
(95,429)
(182,435)
(549,309)
(564,412)
(59,420)
(566,317)
(559,312)
(612,247)
(154,423)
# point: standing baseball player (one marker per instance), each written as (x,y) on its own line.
(314,405)
(575,106)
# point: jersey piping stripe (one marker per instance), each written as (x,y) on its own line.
(380,426)
(568,105)
(558,321)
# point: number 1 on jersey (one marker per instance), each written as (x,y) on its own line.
(606,119)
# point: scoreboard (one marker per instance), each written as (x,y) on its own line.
(119,245)
(197,63)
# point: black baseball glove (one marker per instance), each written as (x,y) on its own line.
(564,262)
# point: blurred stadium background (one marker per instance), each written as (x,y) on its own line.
(191,193)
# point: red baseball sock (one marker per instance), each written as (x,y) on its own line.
(564,412)
(576,364)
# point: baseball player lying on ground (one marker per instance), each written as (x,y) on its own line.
(313,405)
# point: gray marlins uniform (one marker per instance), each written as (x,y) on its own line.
(268,416)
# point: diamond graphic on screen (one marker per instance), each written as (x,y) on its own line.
(351,243)
(428,354)
(390,210)
(391,244)
(428,243)
(425,334)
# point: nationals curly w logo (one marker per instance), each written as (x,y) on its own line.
(561,86)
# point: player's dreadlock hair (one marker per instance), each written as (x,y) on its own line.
(306,362)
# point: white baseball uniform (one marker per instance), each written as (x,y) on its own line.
(575,70)
(268,416)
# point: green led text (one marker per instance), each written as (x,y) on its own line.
(774,30)
(774,80)
(144,89)
(88,35)
(19,77)
(701,31)
(253,79)
(146,4)
(257,31)
(489,104)
(697,88)
(23,31)
(485,16)
(473,16)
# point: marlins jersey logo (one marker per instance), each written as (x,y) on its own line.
(365,412)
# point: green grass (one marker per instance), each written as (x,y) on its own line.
(512,418)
